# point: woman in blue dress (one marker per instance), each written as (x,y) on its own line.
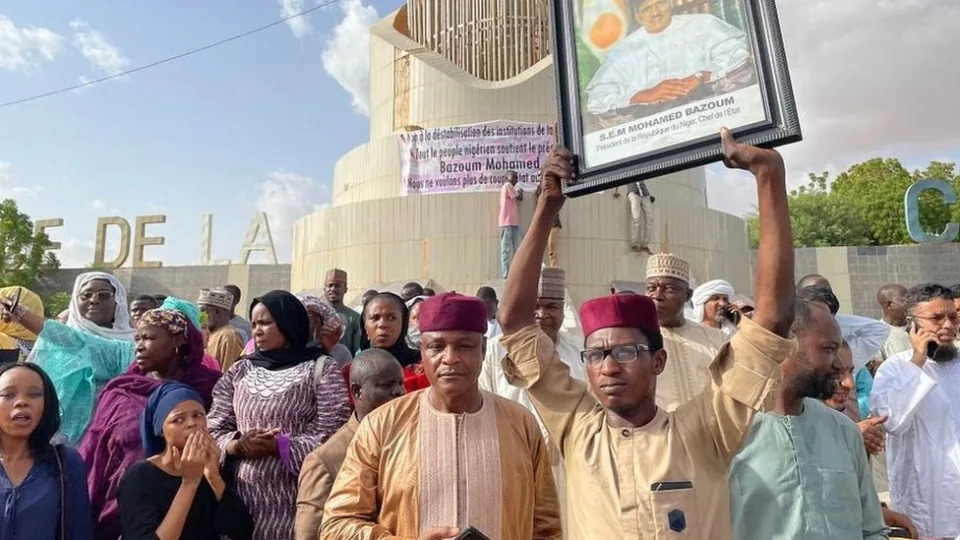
(43,488)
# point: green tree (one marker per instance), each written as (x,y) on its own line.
(864,205)
(24,255)
(56,303)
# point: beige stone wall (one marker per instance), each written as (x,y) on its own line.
(380,237)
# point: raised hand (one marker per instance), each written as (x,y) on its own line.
(558,168)
(751,158)
(211,467)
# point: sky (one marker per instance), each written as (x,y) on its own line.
(258,124)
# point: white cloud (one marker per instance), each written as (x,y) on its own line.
(286,197)
(871,78)
(22,49)
(300,26)
(75,252)
(98,204)
(9,189)
(102,54)
(346,55)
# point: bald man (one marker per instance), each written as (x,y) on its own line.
(813,280)
(893,301)
(375,378)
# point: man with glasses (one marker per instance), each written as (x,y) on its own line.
(918,391)
(633,469)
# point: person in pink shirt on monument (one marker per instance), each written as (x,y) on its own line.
(510,197)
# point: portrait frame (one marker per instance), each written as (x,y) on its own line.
(781,125)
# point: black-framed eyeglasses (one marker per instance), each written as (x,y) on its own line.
(103,296)
(621,354)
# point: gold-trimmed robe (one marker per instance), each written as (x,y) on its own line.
(400,472)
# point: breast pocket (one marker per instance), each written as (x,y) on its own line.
(675,510)
(841,501)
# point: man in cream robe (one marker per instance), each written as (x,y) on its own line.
(690,346)
(633,469)
(549,315)
(669,56)
(436,461)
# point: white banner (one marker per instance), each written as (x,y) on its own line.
(473,157)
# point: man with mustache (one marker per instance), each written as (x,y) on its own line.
(803,471)
(634,470)
(451,456)
(918,390)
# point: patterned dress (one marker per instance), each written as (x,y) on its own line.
(307,402)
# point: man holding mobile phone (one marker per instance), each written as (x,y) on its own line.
(917,390)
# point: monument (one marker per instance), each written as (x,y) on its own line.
(438,64)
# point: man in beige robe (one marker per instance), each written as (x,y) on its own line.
(691,346)
(375,378)
(225,342)
(439,460)
(633,469)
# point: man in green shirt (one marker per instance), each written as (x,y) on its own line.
(803,472)
(334,289)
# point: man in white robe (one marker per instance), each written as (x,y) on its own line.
(666,59)
(918,392)
(549,316)
(712,307)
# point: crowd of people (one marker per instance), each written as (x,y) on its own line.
(681,412)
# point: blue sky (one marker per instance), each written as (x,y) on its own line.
(259,123)
(199,135)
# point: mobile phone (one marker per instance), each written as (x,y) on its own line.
(471,533)
(932,346)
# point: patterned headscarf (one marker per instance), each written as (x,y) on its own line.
(172,321)
(332,321)
(121,318)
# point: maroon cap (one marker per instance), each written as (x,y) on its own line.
(619,311)
(452,311)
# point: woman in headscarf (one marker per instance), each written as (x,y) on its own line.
(168,348)
(275,406)
(43,493)
(385,322)
(326,328)
(92,347)
(178,491)
(16,342)
(413,324)
(197,318)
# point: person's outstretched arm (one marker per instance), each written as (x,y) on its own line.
(520,293)
(773,287)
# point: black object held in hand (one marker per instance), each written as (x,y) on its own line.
(471,533)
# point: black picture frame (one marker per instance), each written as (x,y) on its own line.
(782,125)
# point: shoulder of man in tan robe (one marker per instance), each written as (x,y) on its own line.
(226,345)
(376,494)
(612,474)
(317,474)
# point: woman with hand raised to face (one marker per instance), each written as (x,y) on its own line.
(178,492)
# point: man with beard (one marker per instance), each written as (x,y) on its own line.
(874,436)
(712,307)
(917,390)
(803,472)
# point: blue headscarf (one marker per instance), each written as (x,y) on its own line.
(183,306)
(163,400)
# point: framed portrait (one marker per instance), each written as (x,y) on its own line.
(644,86)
